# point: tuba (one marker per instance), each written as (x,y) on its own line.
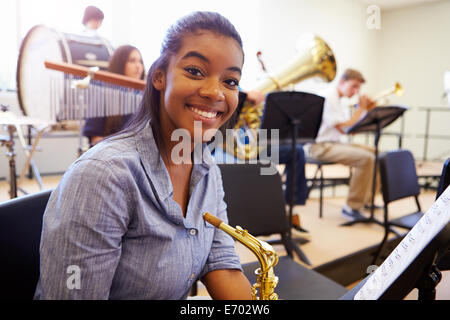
(266,280)
(315,59)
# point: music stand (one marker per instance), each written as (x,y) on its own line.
(444,181)
(295,114)
(423,272)
(374,121)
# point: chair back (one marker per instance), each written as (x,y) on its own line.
(398,175)
(254,201)
(20,236)
(444,181)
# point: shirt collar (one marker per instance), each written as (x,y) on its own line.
(155,167)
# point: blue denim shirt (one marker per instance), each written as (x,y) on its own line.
(113,219)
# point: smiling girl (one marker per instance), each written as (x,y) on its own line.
(125,214)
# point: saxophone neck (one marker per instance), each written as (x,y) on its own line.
(262,250)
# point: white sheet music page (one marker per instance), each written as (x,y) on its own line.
(432,222)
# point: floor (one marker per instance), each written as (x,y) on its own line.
(328,240)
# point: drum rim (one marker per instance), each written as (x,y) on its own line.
(19,63)
(20,60)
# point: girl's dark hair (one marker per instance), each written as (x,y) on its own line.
(190,24)
(119,60)
(92,13)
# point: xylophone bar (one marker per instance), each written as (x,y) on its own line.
(104,76)
(108,94)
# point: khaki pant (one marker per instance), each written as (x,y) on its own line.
(360,158)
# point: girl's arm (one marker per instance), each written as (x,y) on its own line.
(228,285)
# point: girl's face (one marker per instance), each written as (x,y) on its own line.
(200,84)
(134,66)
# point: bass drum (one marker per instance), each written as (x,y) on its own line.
(38,87)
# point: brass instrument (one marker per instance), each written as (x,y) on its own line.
(266,280)
(315,59)
(397,89)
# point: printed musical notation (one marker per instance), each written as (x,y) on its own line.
(432,222)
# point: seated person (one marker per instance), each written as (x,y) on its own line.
(329,147)
(126,60)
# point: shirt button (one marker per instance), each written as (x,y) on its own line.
(192,232)
(192,276)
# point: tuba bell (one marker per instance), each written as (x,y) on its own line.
(315,59)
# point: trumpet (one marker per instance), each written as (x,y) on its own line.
(266,279)
(397,89)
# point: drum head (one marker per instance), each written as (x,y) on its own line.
(34,81)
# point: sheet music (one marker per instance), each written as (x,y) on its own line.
(432,222)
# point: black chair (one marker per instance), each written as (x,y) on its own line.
(256,202)
(320,179)
(20,236)
(398,181)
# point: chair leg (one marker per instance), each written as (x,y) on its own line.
(380,248)
(287,245)
(291,247)
(313,182)
(419,208)
(387,229)
(321,192)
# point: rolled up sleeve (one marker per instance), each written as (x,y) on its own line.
(83,225)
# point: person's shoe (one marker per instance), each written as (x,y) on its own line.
(351,215)
(296,223)
(375,207)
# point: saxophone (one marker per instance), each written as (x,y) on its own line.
(266,279)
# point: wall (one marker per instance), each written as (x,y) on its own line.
(414,50)
(342,24)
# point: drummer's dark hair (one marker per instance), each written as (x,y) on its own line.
(92,13)
(190,24)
